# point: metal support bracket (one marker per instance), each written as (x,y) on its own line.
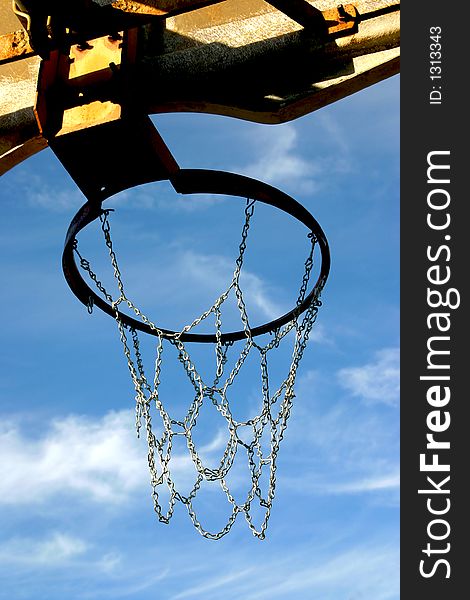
(82,110)
(340,20)
(104,141)
(48,27)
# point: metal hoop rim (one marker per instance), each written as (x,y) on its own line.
(193,181)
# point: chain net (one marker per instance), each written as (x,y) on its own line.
(267,427)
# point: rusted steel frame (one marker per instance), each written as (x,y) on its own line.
(119,16)
(272,111)
(302,12)
(269,80)
(161,7)
(342,20)
(91,21)
(104,85)
(273,80)
(15,46)
(107,145)
(329,95)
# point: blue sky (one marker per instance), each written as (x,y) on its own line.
(76,518)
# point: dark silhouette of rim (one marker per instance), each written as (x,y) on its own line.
(195,181)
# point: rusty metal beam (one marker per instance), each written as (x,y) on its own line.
(161,7)
(272,74)
(89,21)
(15,46)
(241,58)
(85,20)
(302,12)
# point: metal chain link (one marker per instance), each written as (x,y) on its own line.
(270,423)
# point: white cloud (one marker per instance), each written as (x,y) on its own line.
(48,552)
(376,486)
(358,572)
(388,482)
(99,460)
(160,195)
(38,193)
(369,572)
(96,460)
(193,281)
(214,274)
(48,198)
(110,562)
(214,584)
(319,334)
(335,133)
(351,449)
(377,381)
(127,585)
(279,161)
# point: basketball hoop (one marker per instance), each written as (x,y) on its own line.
(268,426)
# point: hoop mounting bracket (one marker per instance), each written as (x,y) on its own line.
(103,140)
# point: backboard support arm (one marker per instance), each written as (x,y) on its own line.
(103,140)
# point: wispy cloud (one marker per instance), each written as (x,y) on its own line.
(342,428)
(50,551)
(356,570)
(99,460)
(126,585)
(204,277)
(211,586)
(215,273)
(377,381)
(279,160)
(161,196)
(352,448)
(53,199)
(335,133)
(320,334)
(359,572)
(96,460)
(279,157)
(35,192)
(387,482)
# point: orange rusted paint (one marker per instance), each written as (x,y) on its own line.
(125,14)
(15,46)
(84,65)
(161,7)
(341,20)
